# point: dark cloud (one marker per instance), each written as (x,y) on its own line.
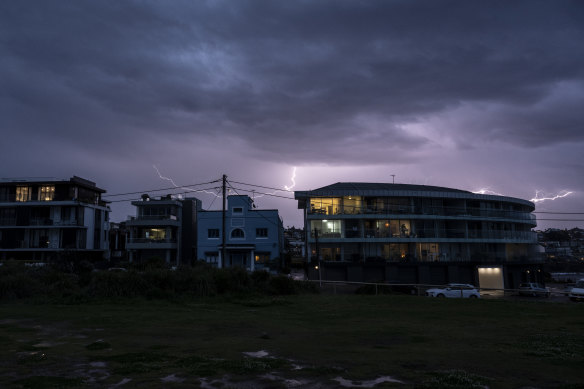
(424,88)
(279,71)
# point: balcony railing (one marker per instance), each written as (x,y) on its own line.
(40,222)
(431,211)
(155,217)
(430,234)
(151,241)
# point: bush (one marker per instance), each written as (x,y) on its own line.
(231,280)
(19,281)
(282,285)
(117,284)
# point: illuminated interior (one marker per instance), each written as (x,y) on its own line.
(325,205)
(429,252)
(352,204)
(155,233)
(46,193)
(262,257)
(23,193)
(326,228)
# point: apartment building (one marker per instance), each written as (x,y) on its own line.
(41,219)
(419,234)
(164,227)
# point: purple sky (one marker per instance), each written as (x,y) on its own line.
(463,94)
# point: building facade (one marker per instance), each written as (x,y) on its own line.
(41,220)
(165,228)
(424,234)
(253,239)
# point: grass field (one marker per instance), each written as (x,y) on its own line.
(306,341)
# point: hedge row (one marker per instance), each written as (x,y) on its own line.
(18,281)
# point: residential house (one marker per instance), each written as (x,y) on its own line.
(253,238)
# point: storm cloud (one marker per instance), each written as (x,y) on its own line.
(339,83)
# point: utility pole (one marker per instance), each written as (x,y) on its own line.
(318,257)
(223,232)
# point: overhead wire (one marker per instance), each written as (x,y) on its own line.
(161,189)
(179,193)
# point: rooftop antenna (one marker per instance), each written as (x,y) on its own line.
(392,178)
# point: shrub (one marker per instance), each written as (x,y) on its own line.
(231,280)
(282,285)
(114,284)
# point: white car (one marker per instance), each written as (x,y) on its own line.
(454,291)
(577,292)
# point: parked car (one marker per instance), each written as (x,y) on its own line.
(454,290)
(577,292)
(533,289)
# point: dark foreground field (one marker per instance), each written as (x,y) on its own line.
(299,341)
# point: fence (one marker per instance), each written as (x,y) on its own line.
(349,287)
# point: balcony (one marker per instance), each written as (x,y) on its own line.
(162,220)
(68,223)
(458,212)
(145,243)
(40,222)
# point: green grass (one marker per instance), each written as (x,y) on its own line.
(426,343)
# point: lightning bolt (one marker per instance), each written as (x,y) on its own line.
(182,187)
(288,188)
(560,195)
(487,191)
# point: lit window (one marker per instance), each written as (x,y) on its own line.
(262,257)
(155,234)
(261,232)
(237,234)
(23,193)
(46,193)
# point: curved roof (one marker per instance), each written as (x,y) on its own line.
(401,190)
(372,186)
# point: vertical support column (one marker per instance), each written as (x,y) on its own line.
(223,232)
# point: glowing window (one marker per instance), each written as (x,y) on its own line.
(23,193)
(262,257)
(155,234)
(46,193)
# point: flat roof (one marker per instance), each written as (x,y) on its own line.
(52,180)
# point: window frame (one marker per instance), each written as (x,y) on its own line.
(262,233)
(237,237)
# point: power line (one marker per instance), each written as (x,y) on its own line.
(214,198)
(186,192)
(259,212)
(264,187)
(161,189)
(265,194)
